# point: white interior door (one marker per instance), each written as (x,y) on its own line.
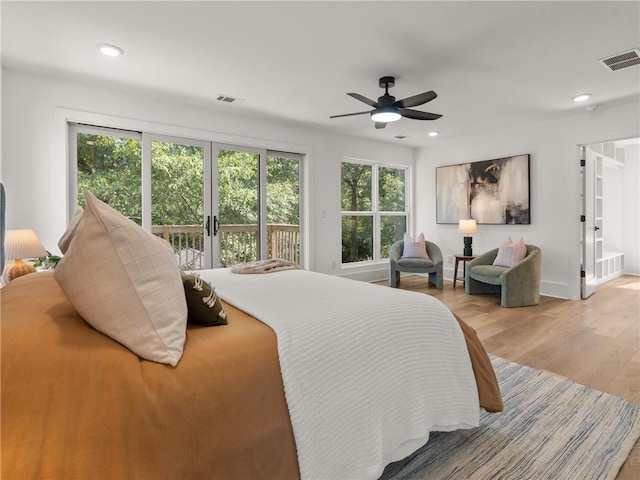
(589,227)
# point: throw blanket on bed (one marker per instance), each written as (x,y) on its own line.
(264,266)
(368,371)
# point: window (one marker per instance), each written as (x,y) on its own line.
(109,165)
(374,209)
(216,205)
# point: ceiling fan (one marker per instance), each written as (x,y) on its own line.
(388,109)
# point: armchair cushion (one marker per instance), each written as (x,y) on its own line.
(416,262)
(488,273)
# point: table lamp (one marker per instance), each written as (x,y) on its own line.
(467,227)
(19,244)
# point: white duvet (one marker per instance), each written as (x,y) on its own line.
(368,371)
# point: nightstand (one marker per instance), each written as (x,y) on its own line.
(464,259)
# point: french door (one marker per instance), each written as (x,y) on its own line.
(178,197)
(257,196)
(217,205)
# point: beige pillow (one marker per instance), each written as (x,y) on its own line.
(510,253)
(67,236)
(125,282)
(414,248)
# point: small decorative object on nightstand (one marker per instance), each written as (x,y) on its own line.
(464,259)
(19,244)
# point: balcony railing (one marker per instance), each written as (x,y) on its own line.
(236,243)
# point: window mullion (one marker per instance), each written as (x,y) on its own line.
(146,182)
(376,215)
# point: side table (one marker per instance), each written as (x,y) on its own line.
(464,259)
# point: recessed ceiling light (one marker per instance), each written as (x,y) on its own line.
(109,50)
(434,134)
(582,97)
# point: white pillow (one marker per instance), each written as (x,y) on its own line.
(510,253)
(414,248)
(126,283)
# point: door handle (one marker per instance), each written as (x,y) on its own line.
(216,225)
(596,228)
(207,226)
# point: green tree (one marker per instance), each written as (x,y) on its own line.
(111,169)
(356,196)
(177,186)
(283,185)
(357,230)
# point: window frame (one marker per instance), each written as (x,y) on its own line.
(375,212)
(75,122)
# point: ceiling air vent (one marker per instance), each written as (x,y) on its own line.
(622,60)
(226,98)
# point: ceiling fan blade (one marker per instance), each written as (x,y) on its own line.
(349,114)
(418,115)
(366,100)
(416,100)
(381,125)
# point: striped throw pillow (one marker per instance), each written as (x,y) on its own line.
(414,248)
(510,253)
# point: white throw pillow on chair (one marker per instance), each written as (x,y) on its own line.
(414,248)
(510,253)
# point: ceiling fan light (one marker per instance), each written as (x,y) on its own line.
(385,115)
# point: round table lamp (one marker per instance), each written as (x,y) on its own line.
(19,244)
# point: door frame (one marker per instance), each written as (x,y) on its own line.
(262,193)
(588,276)
(581,196)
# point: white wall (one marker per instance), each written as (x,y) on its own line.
(555,206)
(34,170)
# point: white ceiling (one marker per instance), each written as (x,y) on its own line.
(493,65)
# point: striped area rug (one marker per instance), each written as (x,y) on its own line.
(550,429)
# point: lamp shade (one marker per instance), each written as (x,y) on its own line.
(23,244)
(468,227)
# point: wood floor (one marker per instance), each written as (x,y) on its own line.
(594,342)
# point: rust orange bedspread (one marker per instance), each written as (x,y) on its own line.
(78,405)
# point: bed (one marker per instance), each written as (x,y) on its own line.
(312,376)
(77,404)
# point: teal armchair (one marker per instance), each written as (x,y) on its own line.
(519,286)
(432,265)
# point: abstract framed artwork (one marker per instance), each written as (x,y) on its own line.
(490,191)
